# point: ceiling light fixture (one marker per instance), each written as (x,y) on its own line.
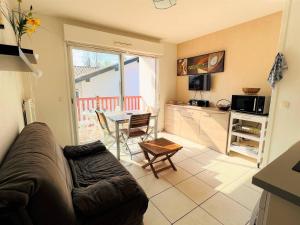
(164,4)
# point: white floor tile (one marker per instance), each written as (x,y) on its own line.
(174,177)
(209,158)
(137,171)
(152,186)
(191,166)
(196,190)
(154,217)
(242,194)
(173,204)
(179,157)
(215,179)
(226,210)
(197,217)
(193,152)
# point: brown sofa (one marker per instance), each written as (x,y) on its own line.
(37,185)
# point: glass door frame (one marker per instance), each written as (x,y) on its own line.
(72,94)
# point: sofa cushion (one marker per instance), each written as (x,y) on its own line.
(104,195)
(36,174)
(83,150)
(90,169)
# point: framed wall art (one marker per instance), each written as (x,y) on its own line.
(202,64)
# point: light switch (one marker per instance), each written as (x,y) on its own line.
(285,104)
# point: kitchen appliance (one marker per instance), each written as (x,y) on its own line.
(223,105)
(200,103)
(251,104)
(200,82)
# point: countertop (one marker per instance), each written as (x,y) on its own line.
(210,109)
(278,177)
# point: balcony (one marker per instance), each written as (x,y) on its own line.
(88,127)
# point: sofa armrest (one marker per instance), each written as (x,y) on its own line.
(105,195)
(76,151)
(14,215)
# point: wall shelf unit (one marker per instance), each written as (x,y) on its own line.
(247,134)
(13,58)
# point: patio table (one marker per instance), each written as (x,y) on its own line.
(123,117)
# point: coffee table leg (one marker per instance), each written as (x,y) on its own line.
(170,161)
(150,163)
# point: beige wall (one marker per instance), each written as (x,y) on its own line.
(52,90)
(11,96)
(250,50)
(285,108)
(167,79)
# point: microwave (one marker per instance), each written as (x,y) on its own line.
(251,104)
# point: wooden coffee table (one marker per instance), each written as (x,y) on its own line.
(158,148)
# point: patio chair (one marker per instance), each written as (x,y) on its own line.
(153,111)
(138,127)
(108,134)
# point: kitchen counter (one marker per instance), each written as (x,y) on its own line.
(210,109)
(278,177)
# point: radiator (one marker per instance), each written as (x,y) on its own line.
(29,111)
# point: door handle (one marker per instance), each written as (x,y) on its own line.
(254,105)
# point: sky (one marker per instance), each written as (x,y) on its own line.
(95,59)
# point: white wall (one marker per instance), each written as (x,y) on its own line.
(108,83)
(147,84)
(131,79)
(52,90)
(167,79)
(11,96)
(285,119)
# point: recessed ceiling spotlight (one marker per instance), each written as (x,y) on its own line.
(164,4)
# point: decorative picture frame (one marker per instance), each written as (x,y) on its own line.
(181,67)
(202,64)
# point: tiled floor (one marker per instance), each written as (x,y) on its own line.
(208,189)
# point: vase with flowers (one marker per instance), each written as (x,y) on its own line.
(22,21)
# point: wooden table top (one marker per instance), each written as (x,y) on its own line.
(160,146)
(124,116)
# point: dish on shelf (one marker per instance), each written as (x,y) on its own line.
(247,144)
(247,130)
(251,91)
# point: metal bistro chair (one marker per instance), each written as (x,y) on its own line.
(138,127)
(108,134)
(154,111)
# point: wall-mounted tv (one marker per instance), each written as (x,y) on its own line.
(200,82)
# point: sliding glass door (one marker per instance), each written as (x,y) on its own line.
(109,82)
(139,82)
(97,86)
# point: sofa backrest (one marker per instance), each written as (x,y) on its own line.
(35,175)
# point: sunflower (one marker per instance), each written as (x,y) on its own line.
(33,22)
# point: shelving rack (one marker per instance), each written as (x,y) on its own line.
(247,134)
(13,58)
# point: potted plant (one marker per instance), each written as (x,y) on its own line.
(22,21)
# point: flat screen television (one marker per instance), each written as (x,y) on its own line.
(200,82)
